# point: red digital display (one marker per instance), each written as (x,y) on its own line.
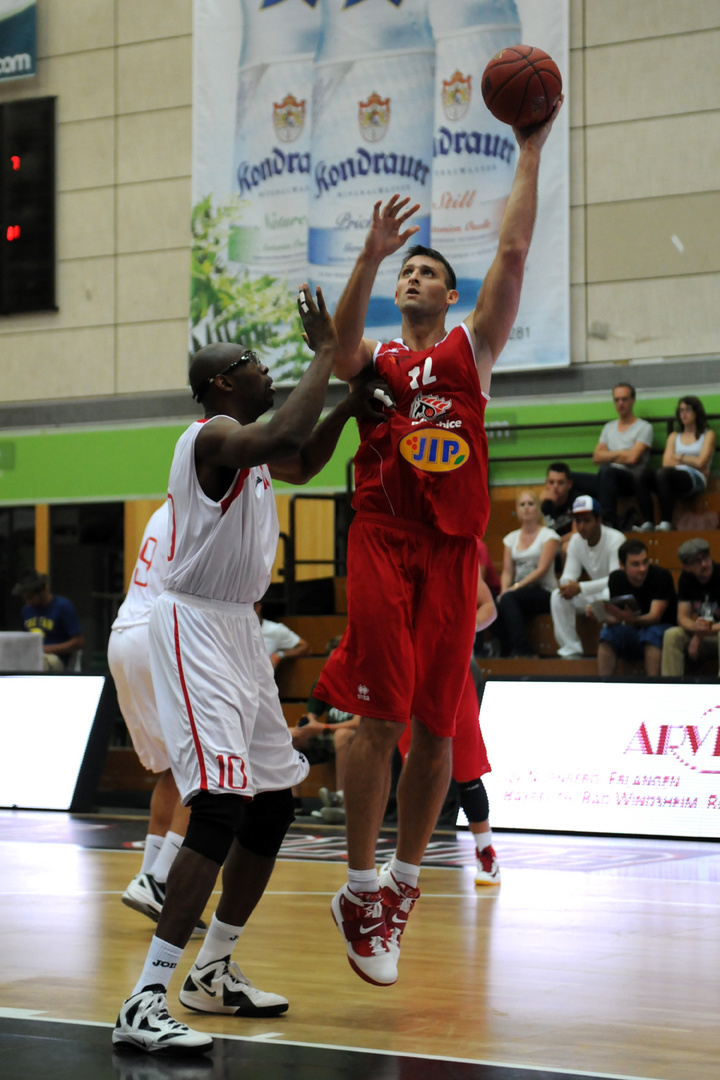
(13,232)
(15,162)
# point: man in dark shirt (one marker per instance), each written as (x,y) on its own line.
(562,487)
(641,608)
(698,614)
(52,616)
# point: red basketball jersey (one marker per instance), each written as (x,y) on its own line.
(429,462)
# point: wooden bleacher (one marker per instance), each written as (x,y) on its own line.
(297,676)
(662,547)
(317,630)
(662,550)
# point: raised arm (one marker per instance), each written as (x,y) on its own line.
(384,238)
(225,444)
(499,298)
(319,448)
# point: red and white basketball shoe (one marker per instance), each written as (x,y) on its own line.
(360,918)
(488,871)
(398,901)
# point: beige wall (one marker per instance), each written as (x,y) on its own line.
(122,71)
(643,93)
(644,101)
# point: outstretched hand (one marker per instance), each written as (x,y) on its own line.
(536,135)
(317,322)
(385,237)
(369,397)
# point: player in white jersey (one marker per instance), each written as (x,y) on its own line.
(227,740)
(129,662)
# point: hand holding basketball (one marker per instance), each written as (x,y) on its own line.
(521,85)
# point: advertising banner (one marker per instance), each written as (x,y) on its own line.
(638,759)
(18,51)
(307,112)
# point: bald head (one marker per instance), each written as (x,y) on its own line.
(211,361)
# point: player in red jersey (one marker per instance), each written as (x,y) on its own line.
(422,502)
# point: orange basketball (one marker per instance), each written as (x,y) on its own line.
(521,85)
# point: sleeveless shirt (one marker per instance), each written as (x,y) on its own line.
(693,448)
(220,550)
(428,462)
(146,583)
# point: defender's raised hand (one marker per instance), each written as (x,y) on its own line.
(385,237)
(317,322)
(369,398)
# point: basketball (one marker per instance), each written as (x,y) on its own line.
(520,85)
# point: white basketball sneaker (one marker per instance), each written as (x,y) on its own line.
(221,987)
(145,1024)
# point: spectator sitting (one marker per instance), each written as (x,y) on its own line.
(687,458)
(528,575)
(641,608)
(594,549)
(622,453)
(52,616)
(281,642)
(322,740)
(698,611)
(556,501)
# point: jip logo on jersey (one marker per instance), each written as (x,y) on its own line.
(434,451)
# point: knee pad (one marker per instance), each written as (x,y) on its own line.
(265,821)
(474,800)
(214,820)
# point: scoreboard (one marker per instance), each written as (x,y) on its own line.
(27,205)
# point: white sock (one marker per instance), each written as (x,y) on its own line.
(160,962)
(219,942)
(153,843)
(161,867)
(405,872)
(363,881)
(483,839)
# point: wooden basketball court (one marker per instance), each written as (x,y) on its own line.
(595,957)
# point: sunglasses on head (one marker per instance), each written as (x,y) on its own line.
(248,357)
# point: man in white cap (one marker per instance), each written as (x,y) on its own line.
(594,549)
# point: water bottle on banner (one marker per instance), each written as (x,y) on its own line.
(372,117)
(474,154)
(272,143)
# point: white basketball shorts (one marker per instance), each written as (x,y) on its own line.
(129,663)
(217,699)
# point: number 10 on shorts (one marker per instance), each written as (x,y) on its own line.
(228,769)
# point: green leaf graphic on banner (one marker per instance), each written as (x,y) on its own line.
(228,305)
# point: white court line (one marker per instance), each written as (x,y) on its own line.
(426,896)
(593,1075)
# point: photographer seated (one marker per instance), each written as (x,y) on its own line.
(640,609)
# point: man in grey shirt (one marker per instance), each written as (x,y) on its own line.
(622,453)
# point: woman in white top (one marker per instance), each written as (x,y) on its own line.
(687,458)
(528,574)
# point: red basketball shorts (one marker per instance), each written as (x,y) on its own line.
(412,597)
(469,756)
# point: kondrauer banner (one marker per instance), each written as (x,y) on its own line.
(306,112)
